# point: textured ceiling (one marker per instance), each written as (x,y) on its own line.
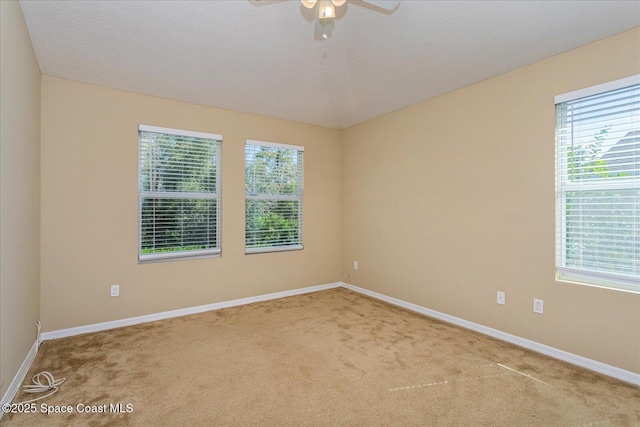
(261,56)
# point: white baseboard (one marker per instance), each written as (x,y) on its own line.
(603,368)
(62,333)
(593,365)
(17,380)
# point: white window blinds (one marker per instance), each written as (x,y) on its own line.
(598,185)
(179,197)
(273,196)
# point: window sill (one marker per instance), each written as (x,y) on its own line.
(598,282)
(251,251)
(178,256)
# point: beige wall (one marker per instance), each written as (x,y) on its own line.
(442,204)
(90,208)
(19,192)
(448,201)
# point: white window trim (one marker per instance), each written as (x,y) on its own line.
(576,276)
(273,249)
(596,280)
(180,132)
(594,90)
(274,145)
(287,248)
(181,255)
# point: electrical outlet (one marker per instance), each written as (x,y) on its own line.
(501,298)
(355,265)
(115,291)
(538,306)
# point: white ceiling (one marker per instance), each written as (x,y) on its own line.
(261,56)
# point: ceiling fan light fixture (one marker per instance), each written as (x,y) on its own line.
(324,23)
(326,10)
(308,3)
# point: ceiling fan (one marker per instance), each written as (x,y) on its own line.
(324,20)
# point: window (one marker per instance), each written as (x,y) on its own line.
(598,185)
(179,194)
(273,196)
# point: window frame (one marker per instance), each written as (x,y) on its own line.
(299,198)
(607,280)
(189,254)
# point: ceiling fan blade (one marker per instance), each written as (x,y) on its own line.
(383,4)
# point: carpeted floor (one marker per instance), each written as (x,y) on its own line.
(328,358)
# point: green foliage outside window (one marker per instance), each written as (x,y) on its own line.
(601,224)
(273,188)
(178,193)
